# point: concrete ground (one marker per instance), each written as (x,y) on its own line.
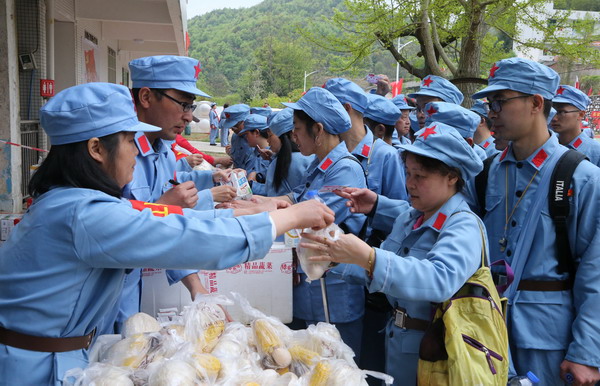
(206,148)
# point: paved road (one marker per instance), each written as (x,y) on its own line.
(205,147)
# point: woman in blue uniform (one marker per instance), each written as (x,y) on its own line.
(287,170)
(433,247)
(318,119)
(63,266)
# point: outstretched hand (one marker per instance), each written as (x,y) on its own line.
(360,200)
(347,249)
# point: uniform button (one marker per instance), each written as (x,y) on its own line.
(519,193)
(513,223)
(508,253)
(308,184)
(405,250)
(519,165)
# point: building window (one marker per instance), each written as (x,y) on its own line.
(125,77)
(112,66)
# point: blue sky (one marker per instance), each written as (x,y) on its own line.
(199,7)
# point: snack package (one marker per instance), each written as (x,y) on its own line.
(314,270)
(239,181)
(372,78)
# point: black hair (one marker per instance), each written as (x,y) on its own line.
(547,107)
(72,165)
(307,120)
(389,129)
(436,166)
(264,133)
(226,105)
(488,122)
(284,158)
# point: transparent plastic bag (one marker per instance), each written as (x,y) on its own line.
(314,270)
(205,321)
(99,374)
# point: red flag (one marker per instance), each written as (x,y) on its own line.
(590,91)
(397,87)
(577,82)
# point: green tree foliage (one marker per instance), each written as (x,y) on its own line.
(453,38)
(591,81)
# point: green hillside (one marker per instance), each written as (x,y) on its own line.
(258,53)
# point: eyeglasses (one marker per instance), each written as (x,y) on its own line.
(496,105)
(186,106)
(562,113)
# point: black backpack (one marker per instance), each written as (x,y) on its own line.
(558,203)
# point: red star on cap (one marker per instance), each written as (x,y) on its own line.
(431,110)
(427,81)
(428,132)
(198,69)
(493,70)
(560,90)
(227,116)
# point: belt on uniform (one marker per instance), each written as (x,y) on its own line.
(402,320)
(44,344)
(540,285)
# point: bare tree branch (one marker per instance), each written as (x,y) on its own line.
(440,49)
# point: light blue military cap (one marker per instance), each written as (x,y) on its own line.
(348,92)
(90,110)
(382,110)
(264,111)
(254,122)
(481,108)
(463,120)
(235,114)
(572,96)
(324,108)
(400,102)
(167,71)
(551,115)
(414,121)
(436,86)
(282,122)
(522,75)
(442,142)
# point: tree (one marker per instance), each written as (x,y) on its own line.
(455,38)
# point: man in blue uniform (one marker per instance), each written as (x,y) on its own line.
(552,317)
(234,119)
(163,90)
(403,124)
(213,118)
(483,135)
(570,104)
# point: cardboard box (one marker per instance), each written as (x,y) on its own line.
(7,223)
(266,283)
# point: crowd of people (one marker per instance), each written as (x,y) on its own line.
(421,186)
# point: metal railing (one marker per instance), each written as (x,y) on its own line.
(31,135)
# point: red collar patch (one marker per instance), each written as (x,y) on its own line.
(365,151)
(326,164)
(486,145)
(428,132)
(560,90)
(493,70)
(427,81)
(144,145)
(504,153)
(539,158)
(577,143)
(439,221)
(198,69)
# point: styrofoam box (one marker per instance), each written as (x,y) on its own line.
(266,283)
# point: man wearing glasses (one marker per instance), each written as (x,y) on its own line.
(164,89)
(570,104)
(553,314)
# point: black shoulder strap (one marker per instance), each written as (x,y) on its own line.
(558,205)
(481,181)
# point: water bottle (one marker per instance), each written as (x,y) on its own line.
(528,380)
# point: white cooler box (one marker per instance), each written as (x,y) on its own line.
(266,283)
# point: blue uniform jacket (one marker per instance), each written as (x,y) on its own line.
(382,165)
(63,267)
(256,163)
(296,177)
(489,147)
(588,146)
(346,301)
(213,116)
(555,320)
(415,267)
(240,151)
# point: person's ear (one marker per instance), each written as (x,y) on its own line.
(318,128)
(379,131)
(581,115)
(145,95)
(96,150)
(347,107)
(538,103)
(469,141)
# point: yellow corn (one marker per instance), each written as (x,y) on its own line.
(304,355)
(320,374)
(212,334)
(210,363)
(266,336)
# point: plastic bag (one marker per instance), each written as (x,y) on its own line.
(130,352)
(138,324)
(99,374)
(205,321)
